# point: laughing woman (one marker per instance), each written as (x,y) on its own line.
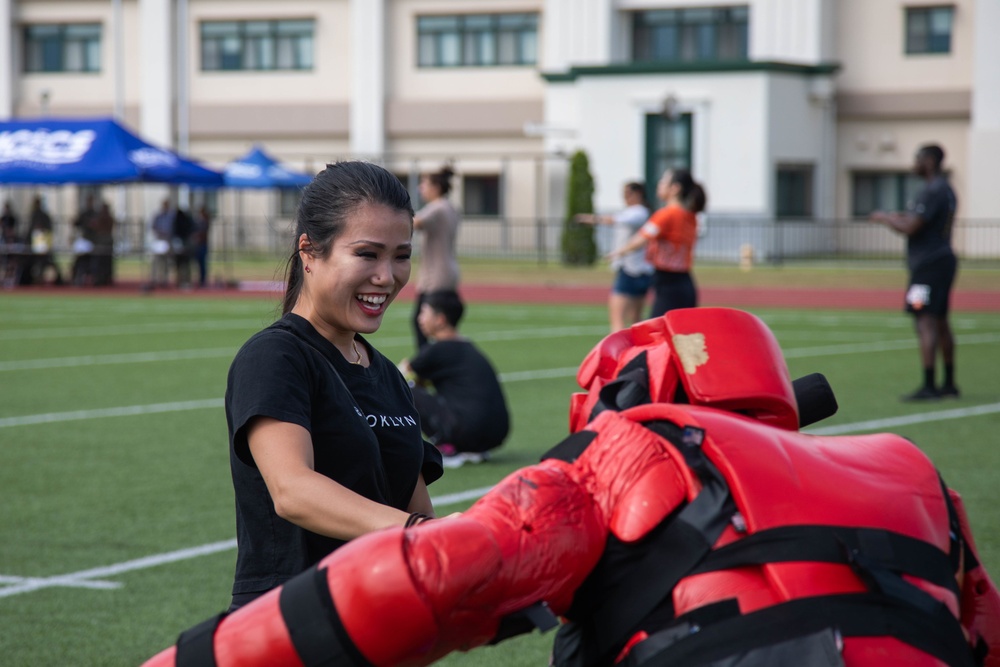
(324,441)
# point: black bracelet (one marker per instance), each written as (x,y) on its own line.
(416,518)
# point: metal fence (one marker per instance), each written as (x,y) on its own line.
(721,239)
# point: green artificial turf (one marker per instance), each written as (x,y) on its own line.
(113,446)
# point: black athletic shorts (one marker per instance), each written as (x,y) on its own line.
(930,286)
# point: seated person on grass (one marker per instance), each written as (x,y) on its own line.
(466,414)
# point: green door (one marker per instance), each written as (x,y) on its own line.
(668,146)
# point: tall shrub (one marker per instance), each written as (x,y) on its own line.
(578,245)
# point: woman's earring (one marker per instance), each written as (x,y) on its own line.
(308,270)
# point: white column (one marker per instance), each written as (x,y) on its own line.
(367,117)
(7,61)
(984,133)
(796,31)
(156,68)
(576,32)
(156,84)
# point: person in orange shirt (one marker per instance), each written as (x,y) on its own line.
(669,237)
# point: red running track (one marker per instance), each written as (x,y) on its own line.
(737,297)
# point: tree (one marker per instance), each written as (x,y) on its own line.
(578,245)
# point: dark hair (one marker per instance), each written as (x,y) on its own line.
(448,303)
(639,188)
(441,178)
(934,152)
(692,194)
(332,196)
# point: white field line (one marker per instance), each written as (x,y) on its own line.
(126,411)
(906,420)
(130,330)
(523,334)
(87,577)
(212,403)
(881,346)
(74,578)
(204,404)
(515,376)
(217,352)
(107,359)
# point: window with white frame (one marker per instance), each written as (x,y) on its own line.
(62,47)
(257,45)
(928,29)
(477,40)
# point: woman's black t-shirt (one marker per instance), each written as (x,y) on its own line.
(365,433)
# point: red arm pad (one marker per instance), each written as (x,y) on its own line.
(980,600)
(411,597)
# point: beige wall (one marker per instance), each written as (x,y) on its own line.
(870,40)
(407,82)
(94,92)
(890,146)
(327,83)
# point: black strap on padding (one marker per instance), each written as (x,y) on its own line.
(836,544)
(571,447)
(523,621)
(317,633)
(961,552)
(852,615)
(673,550)
(196,645)
(629,388)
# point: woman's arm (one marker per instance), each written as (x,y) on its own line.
(636,241)
(284,455)
(421,499)
(593,219)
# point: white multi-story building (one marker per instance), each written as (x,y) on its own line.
(784,109)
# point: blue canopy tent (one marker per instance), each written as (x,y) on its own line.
(89,152)
(55,151)
(257,169)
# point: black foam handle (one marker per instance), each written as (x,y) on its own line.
(815,399)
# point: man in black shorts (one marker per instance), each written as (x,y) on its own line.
(932,265)
(466,414)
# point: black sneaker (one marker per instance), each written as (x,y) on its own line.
(950,391)
(923,394)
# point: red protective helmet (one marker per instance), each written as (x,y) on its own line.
(716,357)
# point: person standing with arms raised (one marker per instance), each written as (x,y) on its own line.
(325,441)
(932,265)
(633,274)
(438,221)
(669,236)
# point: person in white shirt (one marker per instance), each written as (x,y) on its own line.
(633,274)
